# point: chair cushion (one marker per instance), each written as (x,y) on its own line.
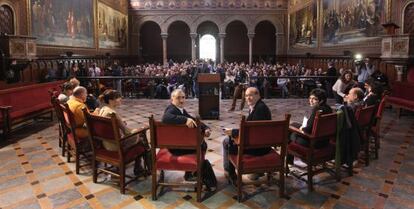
(130,155)
(270,160)
(325,152)
(167,161)
(401,102)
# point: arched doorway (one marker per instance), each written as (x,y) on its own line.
(6,20)
(209,28)
(150,47)
(208,47)
(264,42)
(179,42)
(236,43)
(408,16)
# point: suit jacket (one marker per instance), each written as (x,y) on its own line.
(173,115)
(259,112)
(323,109)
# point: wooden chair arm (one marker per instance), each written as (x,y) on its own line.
(4,107)
(299,132)
(129,136)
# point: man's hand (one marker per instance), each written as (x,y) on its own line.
(207,133)
(228,131)
(190,123)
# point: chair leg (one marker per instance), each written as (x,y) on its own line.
(239,186)
(77,156)
(154,184)
(367,152)
(269,179)
(68,154)
(377,145)
(281,184)
(199,187)
(95,171)
(310,177)
(122,179)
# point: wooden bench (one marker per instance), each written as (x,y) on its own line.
(402,96)
(18,105)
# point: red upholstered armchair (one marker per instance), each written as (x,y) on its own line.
(106,129)
(402,94)
(376,129)
(61,123)
(261,134)
(324,126)
(364,117)
(77,147)
(167,136)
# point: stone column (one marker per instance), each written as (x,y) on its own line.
(400,72)
(164,37)
(279,44)
(251,36)
(193,45)
(222,36)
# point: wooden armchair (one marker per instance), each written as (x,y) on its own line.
(375,129)
(61,122)
(324,127)
(107,129)
(76,146)
(364,117)
(261,134)
(167,136)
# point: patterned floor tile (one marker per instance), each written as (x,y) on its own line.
(30,171)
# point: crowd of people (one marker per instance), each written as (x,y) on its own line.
(158,81)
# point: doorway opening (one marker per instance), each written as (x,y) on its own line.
(208,47)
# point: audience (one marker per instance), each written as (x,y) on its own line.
(373,92)
(355,98)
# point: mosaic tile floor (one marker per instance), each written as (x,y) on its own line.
(34,175)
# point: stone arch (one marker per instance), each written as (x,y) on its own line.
(403,15)
(140,22)
(272,19)
(202,19)
(15,15)
(166,25)
(243,19)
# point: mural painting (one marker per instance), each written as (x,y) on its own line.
(349,21)
(303,24)
(112,27)
(63,23)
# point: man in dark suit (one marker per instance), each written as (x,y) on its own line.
(176,114)
(258,110)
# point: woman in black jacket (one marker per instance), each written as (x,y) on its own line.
(317,101)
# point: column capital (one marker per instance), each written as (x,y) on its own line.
(251,35)
(164,35)
(222,35)
(193,35)
(279,34)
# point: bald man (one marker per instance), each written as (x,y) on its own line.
(258,110)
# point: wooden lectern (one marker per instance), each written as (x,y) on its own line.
(209,99)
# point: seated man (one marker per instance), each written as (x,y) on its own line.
(355,98)
(76,103)
(258,110)
(176,114)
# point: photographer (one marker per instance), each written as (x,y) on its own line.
(364,71)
